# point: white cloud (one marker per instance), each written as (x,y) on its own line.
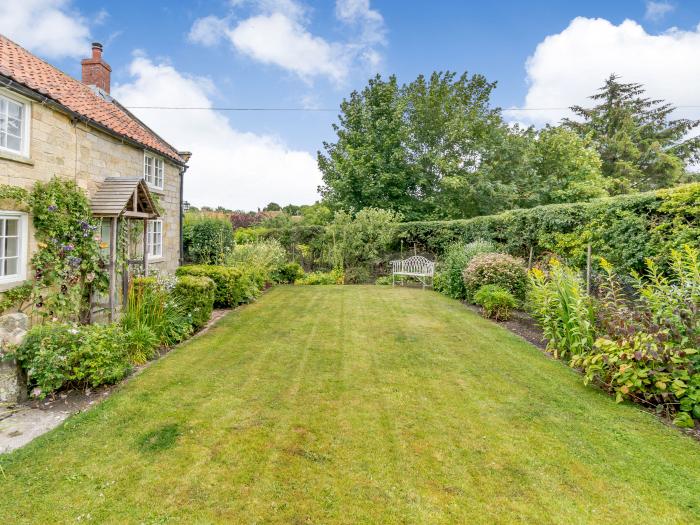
(51,28)
(656,11)
(208,31)
(279,40)
(358,13)
(277,33)
(229,167)
(569,66)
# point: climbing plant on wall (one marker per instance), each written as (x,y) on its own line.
(67,265)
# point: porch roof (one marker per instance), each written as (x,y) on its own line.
(124,196)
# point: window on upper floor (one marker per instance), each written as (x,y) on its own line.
(153,170)
(13,246)
(14,126)
(154,238)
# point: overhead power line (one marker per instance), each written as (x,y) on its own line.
(317,110)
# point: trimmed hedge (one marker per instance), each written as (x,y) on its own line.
(625,229)
(234,286)
(196,295)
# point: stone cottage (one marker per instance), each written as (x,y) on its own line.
(53,125)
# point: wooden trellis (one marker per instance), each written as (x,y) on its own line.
(118,199)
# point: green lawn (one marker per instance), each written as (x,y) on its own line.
(355,405)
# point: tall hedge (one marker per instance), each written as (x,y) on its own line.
(625,230)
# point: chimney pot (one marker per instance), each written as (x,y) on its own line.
(96,50)
(96,72)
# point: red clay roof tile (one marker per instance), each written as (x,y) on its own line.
(23,67)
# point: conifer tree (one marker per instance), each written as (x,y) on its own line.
(641,147)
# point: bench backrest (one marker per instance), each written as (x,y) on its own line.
(416,264)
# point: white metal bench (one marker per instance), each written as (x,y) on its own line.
(415,266)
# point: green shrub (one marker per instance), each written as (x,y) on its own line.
(559,302)
(448,279)
(101,358)
(263,259)
(383,280)
(196,296)
(496,302)
(58,355)
(234,286)
(207,240)
(314,278)
(496,268)
(290,272)
(649,349)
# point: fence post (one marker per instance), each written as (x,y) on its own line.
(588,269)
(529,261)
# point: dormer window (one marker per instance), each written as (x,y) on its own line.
(14,126)
(153,170)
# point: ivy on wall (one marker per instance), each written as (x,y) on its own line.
(68,267)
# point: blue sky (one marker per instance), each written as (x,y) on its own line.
(295,53)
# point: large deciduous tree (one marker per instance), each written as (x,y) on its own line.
(641,147)
(406,148)
(367,166)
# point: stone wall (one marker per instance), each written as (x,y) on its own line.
(87,156)
(13,328)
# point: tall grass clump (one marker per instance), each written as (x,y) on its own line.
(559,302)
(150,304)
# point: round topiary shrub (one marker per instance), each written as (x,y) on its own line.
(496,268)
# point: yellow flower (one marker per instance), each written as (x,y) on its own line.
(103,245)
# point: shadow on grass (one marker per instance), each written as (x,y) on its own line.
(159,439)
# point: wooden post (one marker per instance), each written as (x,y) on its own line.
(145,247)
(113,268)
(588,268)
(529,261)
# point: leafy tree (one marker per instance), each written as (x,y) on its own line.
(317,214)
(640,146)
(368,165)
(273,206)
(523,168)
(566,169)
(409,148)
(450,125)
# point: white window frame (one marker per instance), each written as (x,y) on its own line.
(157,167)
(23,244)
(150,236)
(26,124)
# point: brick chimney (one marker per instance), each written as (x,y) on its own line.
(95,70)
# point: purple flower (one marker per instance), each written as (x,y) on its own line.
(53,207)
(67,247)
(74,261)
